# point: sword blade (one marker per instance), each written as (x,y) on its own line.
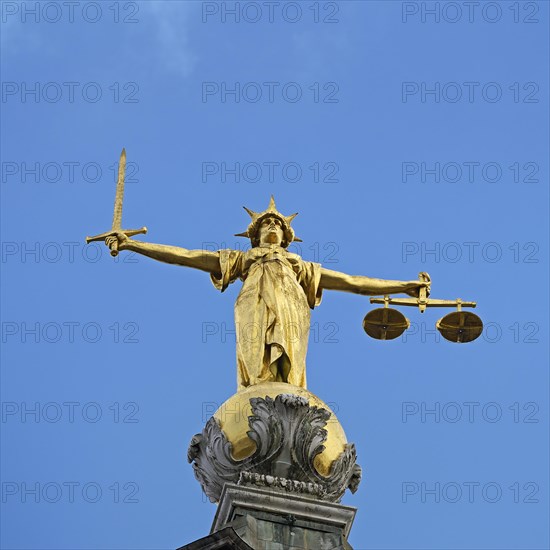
(119,197)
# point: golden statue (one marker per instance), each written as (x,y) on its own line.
(272,314)
(281,434)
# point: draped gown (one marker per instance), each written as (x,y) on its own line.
(272,312)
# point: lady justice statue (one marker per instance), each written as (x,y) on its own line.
(272,314)
(283,439)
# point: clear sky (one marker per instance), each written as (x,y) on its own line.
(408,140)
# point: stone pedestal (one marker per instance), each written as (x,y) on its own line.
(271,519)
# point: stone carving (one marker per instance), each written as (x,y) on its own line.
(288,434)
(281,483)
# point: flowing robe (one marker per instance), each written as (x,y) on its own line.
(272,312)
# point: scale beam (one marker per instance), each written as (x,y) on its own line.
(427,303)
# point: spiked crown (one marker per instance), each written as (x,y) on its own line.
(253,229)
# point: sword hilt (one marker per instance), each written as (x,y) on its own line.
(114,245)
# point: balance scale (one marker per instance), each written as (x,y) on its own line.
(386,323)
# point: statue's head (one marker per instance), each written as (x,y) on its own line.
(270,227)
(270,231)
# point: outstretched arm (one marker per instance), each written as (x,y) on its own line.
(335,280)
(204,260)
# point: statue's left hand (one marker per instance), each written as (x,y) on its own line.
(413,288)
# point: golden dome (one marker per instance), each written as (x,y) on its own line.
(233,417)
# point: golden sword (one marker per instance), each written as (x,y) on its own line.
(117,215)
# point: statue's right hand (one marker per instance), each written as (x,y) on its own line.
(118,236)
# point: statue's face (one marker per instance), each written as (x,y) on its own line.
(271,231)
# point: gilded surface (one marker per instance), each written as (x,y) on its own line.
(110,237)
(272,311)
(233,416)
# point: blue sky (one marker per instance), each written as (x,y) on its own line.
(408,141)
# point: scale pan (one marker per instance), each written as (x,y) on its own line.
(460,326)
(385,323)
